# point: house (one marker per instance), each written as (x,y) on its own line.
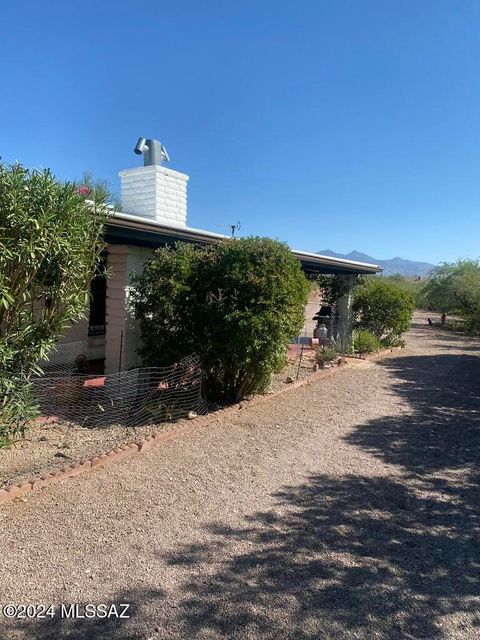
(154,213)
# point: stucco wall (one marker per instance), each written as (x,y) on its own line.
(78,332)
(136,259)
(122,336)
(311,308)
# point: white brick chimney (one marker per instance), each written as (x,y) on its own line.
(155,192)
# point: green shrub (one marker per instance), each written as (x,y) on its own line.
(383,308)
(323,355)
(365,341)
(50,244)
(236,304)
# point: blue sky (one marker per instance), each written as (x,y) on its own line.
(328,124)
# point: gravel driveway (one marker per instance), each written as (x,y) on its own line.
(348,508)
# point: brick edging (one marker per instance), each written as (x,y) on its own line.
(126,450)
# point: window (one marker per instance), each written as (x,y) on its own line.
(98,300)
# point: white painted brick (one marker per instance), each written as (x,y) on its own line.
(155,192)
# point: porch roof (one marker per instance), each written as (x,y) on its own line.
(123,228)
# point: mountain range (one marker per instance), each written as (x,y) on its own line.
(391,266)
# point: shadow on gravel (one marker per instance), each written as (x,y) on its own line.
(448,346)
(362,557)
(452,340)
(442,432)
(351,557)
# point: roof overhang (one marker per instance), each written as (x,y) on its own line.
(123,228)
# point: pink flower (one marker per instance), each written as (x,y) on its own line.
(84,191)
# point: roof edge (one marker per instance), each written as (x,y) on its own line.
(340,261)
(127,220)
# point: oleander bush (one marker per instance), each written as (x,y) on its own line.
(50,246)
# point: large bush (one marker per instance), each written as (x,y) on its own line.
(50,244)
(236,303)
(384,308)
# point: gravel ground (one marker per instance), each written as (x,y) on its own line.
(55,444)
(347,508)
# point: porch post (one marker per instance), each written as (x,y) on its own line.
(116,317)
(345,311)
(122,339)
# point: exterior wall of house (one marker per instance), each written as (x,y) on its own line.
(136,259)
(122,335)
(311,308)
(121,341)
(78,332)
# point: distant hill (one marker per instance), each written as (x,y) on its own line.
(408,268)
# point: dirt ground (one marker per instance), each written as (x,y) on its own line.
(346,509)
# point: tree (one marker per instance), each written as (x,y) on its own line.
(50,246)
(236,303)
(384,308)
(98,190)
(454,287)
(412,285)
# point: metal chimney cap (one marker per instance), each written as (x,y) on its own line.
(154,153)
(139,147)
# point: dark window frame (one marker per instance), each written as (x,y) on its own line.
(97,324)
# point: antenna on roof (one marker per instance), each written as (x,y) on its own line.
(154,153)
(232,227)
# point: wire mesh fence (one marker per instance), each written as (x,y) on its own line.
(64,357)
(332,333)
(329,338)
(138,397)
